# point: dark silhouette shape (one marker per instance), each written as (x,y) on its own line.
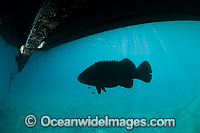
(113,73)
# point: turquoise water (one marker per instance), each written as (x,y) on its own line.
(48,84)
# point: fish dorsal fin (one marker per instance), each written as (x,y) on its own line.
(128,62)
(105,61)
(127,84)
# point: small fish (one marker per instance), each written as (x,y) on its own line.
(89,87)
(93,93)
(113,73)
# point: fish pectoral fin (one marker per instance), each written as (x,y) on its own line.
(98,90)
(127,84)
(103,89)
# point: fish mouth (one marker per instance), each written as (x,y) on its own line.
(80,78)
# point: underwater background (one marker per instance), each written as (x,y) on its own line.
(48,84)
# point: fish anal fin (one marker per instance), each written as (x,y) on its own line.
(98,90)
(127,83)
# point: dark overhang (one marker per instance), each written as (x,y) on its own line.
(93,17)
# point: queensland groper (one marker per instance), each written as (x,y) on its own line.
(113,73)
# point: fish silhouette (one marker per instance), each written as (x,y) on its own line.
(113,73)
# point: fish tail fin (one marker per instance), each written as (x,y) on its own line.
(143,71)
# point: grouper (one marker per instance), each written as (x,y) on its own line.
(115,73)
